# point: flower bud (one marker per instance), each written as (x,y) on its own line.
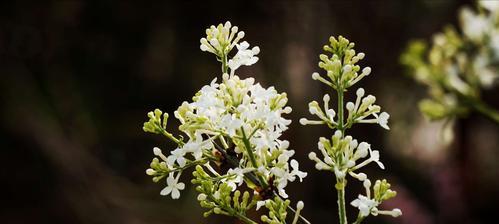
(360,92)
(315,76)
(366,71)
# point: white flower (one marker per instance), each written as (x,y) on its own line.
(362,150)
(490,5)
(177,155)
(230,124)
(474,26)
(259,204)
(364,204)
(294,164)
(244,56)
(382,120)
(282,177)
(237,177)
(196,146)
(375,157)
(173,187)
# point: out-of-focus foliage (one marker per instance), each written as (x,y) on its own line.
(458,64)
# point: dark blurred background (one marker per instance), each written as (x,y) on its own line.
(78,77)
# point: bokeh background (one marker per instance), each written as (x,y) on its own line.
(78,77)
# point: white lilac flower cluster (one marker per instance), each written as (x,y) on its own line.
(342,154)
(247,120)
(368,204)
(233,132)
(221,39)
(458,65)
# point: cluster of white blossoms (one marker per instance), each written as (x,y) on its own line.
(342,154)
(368,204)
(362,111)
(247,121)
(458,65)
(233,132)
(221,39)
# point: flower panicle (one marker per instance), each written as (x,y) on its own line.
(341,154)
(231,135)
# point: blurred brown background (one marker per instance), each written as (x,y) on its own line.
(78,77)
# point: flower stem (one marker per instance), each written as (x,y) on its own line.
(247,145)
(341,201)
(225,68)
(170,136)
(341,125)
(294,211)
(341,182)
(232,212)
(484,109)
(360,218)
(245,219)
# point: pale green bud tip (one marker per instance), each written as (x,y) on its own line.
(331,113)
(150,172)
(156,151)
(366,71)
(265,218)
(303,121)
(362,176)
(360,92)
(337,133)
(313,110)
(396,212)
(300,205)
(361,55)
(312,156)
(350,106)
(217,211)
(256,50)
(203,47)
(347,68)
(323,57)
(367,183)
(201,197)
(240,34)
(315,76)
(326,98)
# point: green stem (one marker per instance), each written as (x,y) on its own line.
(232,212)
(247,145)
(294,211)
(341,201)
(359,219)
(171,137)
(341,182)
(484,109)
(341,125)
(225,68)
(245,219)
